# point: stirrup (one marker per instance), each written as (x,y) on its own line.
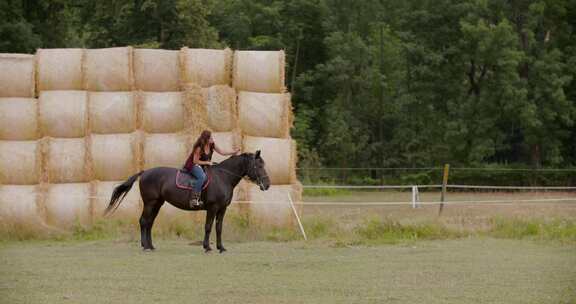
(195,200)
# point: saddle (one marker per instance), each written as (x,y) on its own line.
(185,180)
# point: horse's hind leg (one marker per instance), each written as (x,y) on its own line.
(149,213)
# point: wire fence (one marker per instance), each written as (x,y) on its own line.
(488,176)
(467,182)
(410,186)
(473,187)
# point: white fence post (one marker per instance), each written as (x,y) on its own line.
(415,197)
(297,217)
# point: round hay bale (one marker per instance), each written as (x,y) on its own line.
(112,112)
(59,69)
(220,103)
(196,115)
(165,150)
(156,70)
(259,71)
(265,114)
(108,69)
(20,162)
(68,205)
(18,118)
(273,205)
(206,67)
(114,156)
(17,75)
(66,160)
(18,205)
(63,113)
(239,194)
(278,154)
(130,208)
(163,112)
(227,141)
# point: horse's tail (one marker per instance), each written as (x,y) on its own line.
(120,192)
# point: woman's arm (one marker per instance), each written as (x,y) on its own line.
(197,160)
(222,152)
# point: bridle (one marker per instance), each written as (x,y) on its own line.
(251,171)
(259,177)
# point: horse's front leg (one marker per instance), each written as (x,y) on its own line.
(208,228)
(219,222)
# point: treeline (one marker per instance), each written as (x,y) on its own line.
(374,83)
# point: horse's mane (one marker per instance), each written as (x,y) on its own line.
(232,160)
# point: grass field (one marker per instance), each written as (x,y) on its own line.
(513,253)
(479,270)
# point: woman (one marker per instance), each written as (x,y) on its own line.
(199,159)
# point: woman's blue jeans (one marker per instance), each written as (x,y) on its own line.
(200,177)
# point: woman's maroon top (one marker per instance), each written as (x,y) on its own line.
(203,157)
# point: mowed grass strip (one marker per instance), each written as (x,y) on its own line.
(477,270)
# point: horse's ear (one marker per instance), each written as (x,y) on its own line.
(257,154)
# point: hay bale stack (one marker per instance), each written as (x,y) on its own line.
(265,114)
(165,150)
(63,113)
(130,208)
(273,205)
(20,162)
(18,205)
(66,160)
(17,75)
(112,112)
(18,118)
(279,156)
(259,71)
(59,69)
(220,103)
(227,141)
(206,67)
(163,112)
(108,69)
(68,205)
(156,70)
(114,156)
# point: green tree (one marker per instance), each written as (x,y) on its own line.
(28,25)
(168,24)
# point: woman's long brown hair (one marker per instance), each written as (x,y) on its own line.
(202,141)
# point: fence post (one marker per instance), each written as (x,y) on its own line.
(444,183)
(415,197)
(296,215)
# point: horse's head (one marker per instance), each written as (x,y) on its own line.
(256,171)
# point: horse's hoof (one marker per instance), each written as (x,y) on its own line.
(147,249)
(222,250)
(207,250)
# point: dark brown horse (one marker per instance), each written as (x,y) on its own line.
(157,185)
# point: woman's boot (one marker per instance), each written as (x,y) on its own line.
(195,200)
